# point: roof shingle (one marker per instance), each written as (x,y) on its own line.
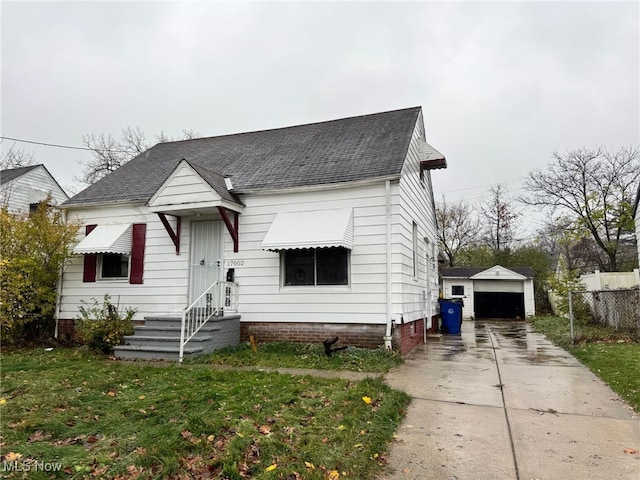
(344,150)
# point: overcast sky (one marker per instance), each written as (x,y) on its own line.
(502,85)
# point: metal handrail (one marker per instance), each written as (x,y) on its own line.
(220,296)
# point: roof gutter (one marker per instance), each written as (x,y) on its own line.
(122,203)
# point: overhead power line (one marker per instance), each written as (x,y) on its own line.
(57,145)
(33,142)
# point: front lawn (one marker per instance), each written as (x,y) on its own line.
(89,417)
(612,356)
(301,355)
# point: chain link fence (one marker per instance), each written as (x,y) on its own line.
(604,315)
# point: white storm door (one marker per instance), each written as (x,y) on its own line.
(206,257)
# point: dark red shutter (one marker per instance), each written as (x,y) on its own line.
(90,261)
(137,252)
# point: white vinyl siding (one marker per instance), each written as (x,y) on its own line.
(185,186)
(258,272)
(30,188)
(164,290)
(416,205)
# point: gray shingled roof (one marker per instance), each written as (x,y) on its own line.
(13,173)
(217,183)
(466,272)
(344,150)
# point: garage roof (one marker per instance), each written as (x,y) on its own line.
(467,272)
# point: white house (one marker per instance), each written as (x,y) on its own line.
(23,188)
(327,229)
(495,292)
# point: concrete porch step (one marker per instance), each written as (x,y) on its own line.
(159,338)
(133,340)
(155,352)
(144,330)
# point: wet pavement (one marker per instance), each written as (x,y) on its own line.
(501,402)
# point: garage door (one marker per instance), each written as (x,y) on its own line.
(499,304)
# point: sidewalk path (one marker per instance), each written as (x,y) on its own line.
(501,402)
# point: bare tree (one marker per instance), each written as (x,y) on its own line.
(457,228)
(16,157)
(499,219)
(110,153)
(595,189)
(186,135)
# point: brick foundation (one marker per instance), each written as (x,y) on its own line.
(355,335)
(405,338)
(67,330)
(408,336)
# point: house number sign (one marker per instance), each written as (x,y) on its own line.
(234,263)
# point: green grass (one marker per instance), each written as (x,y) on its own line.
(296,355)
(612,356)
(103,419)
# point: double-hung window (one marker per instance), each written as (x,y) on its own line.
(316,266)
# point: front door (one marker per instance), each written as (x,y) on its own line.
(206,256)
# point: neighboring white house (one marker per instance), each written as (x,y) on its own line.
(327,228)
(23,188)
(495,292)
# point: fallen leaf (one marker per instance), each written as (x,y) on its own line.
(99,471)
(186,434)
(3,401)
(366,400)
(12,456)
(272,467)
(38,436)
(141,397)
(341,427)
(310,465)
(333,475)
(265,430)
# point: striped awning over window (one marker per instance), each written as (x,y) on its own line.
(314,229)
(106,239)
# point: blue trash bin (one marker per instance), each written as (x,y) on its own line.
(451,313)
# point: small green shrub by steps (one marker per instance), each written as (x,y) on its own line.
(103,326)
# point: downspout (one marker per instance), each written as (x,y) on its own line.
(387,336)
(427,292)
(59,285)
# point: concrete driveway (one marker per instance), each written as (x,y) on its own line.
(502,402)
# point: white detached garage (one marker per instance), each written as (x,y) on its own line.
(495,292)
